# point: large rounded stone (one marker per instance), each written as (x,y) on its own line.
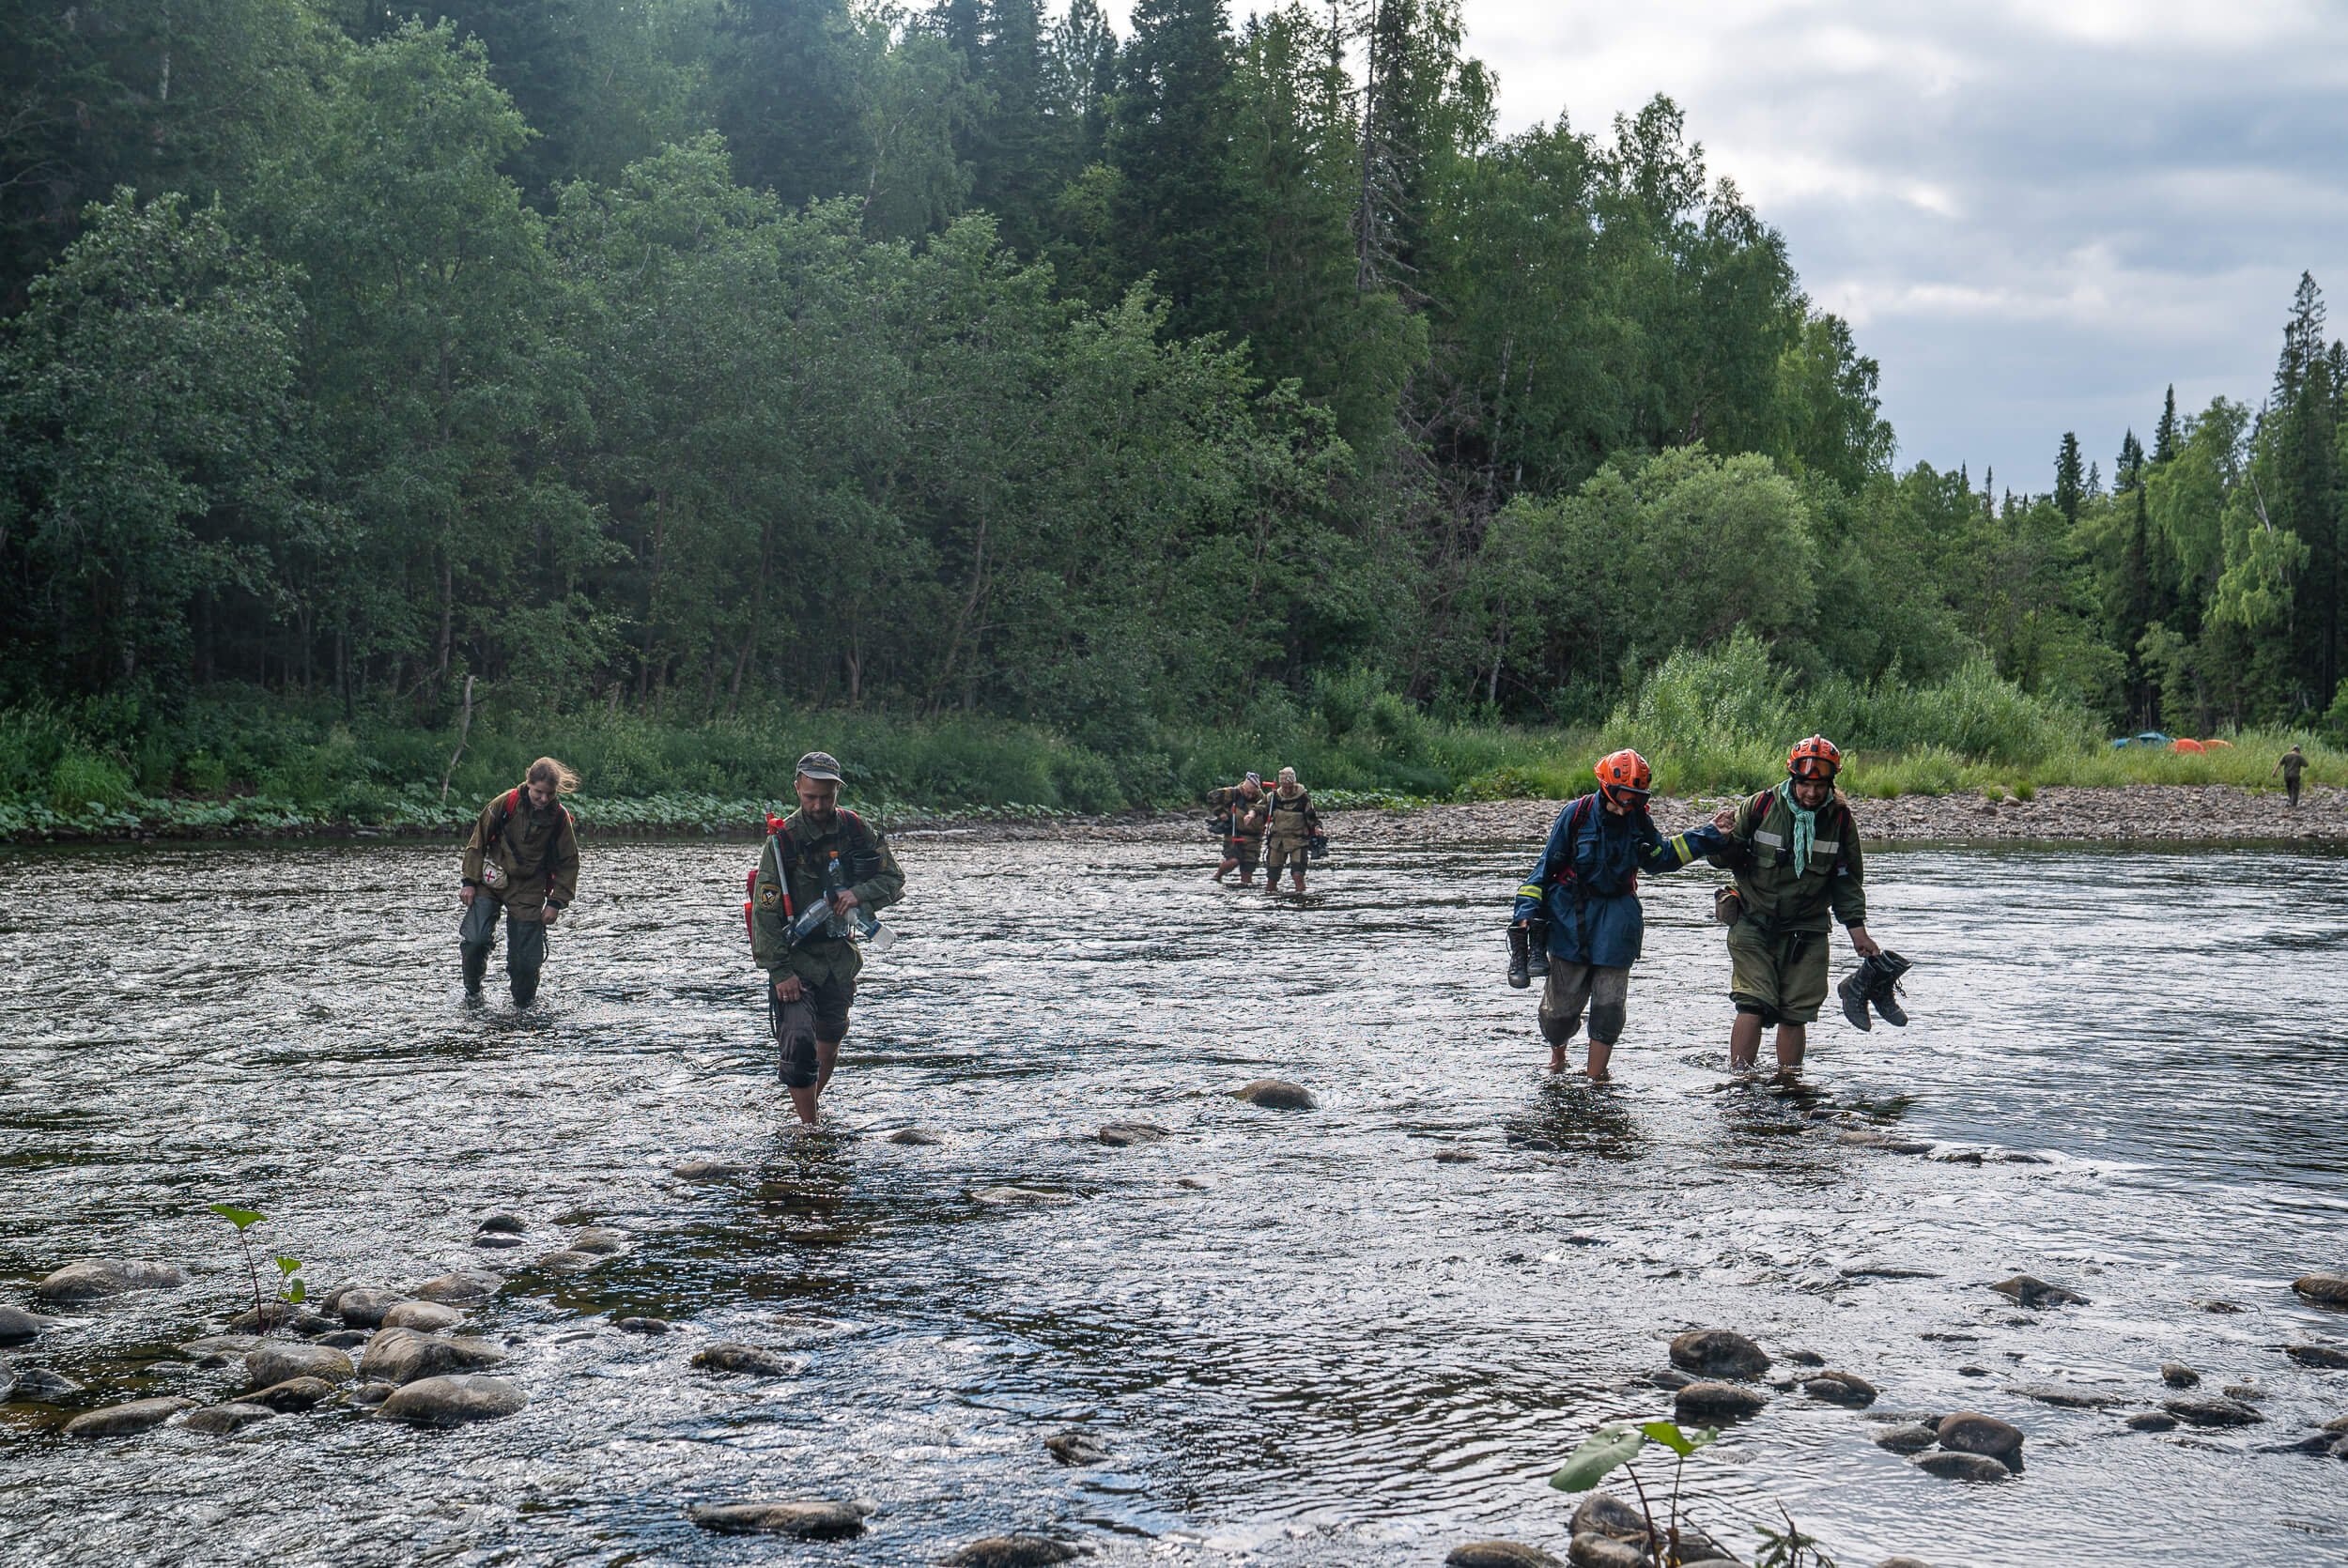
(1499,1554)
(363,1307)
(425,1317)
(96,1279)
(1605,1552)
(278,1363)
(226,1418)
(2211,1411)
(2329,1289)
(1718,1353)
(294,1393)
(753,1360)
(2151,1421)
(117,1421)
(1715,1402)
(811,1520)
(501,1224)
(453,1401)
(1846,1389)
(403,1356)
(459,1286)
(2328,1357)
(2031,1291)
(2179,1376)
(43,1385)
(599,1240)
(1604,1514)
(1951,1466)
(1970,1431)
(1012,1551)
(18,1327)
(1277,1094)
(1907,1437)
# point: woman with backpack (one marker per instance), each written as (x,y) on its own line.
(1579,905)
(522,859)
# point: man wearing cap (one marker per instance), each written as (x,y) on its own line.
(1290,823)
(819,854)
(1239,809)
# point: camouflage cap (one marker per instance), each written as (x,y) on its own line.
(819,764)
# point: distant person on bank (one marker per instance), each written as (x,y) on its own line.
(820,856)
(1796,855)
(522,859)
(2290,764)
(1239,820)
(1579,906)
(1290,826)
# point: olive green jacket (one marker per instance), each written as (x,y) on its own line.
(1247,815)
(1293,821)
(866,869)
(525,857)
(1777,899)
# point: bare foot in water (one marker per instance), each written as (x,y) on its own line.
(1597,1075)
(1557,1058)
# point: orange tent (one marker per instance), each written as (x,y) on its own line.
(2182,745)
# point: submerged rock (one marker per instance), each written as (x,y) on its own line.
(367,1395)
(403,1356)
(2329,1289)
(277,1364)
(568,1261)
(2067,1398)
(1846,1389)
(363,1307)
(2031,1291)
(1499,1554)
(807,1520)
(95,1279)
(501,1224)
(1889,1142)
(1012,1551)
(43,1385)
(425,1317)
(1604,1514)
(2151,1421)
(1006,1197)
(750,1360)
(1606,1551)
(294,1393)
(1970,1431)
(1121,1136)
(18,1327)
(641,1325)
(1718,1353)
(709,1170)
(453,1401)
(1809,1358)
(218,1349)
(346,1340)
(1076,1448)
(1907,1437)
(1277,1094)
(2178,1376)
(497,1239)
(919,1137)
(2329,1356)
(226,1418)
(1951,1464)
(458,1286)
(1711,1402)
(117,1421)
(600,1240)
(2249,1393)
(1671,1378)
(2212,1412)
(270,1316)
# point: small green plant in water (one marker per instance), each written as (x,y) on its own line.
(292,1290)
(1790,1549)
(1614,1447)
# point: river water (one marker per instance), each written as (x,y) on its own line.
(1304,1337)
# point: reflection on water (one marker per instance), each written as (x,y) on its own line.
(1359,1334)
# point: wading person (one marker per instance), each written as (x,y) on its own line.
(1290,826)
(822,874)
(522,860)
(1586,885)
(2290,764)
(1239,810)
(1795,852)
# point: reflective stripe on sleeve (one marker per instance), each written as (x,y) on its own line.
(1529,890)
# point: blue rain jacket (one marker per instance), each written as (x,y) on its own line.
(1588,880)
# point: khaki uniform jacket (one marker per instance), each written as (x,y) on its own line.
(866,869)
(1293,819)
(1780,901)
(531,860)
(1247,816)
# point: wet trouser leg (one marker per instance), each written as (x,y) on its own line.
(476,935)
(525,952)
(1563,997)
(2291,788)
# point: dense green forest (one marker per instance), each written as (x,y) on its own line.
(708,364)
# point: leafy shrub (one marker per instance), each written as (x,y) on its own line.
(83,779)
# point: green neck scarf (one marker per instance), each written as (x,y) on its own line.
(1805,827)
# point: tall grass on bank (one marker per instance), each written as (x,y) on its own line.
(1713,722)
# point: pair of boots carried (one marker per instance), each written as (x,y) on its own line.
(1877,980)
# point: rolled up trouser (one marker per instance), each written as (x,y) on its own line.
(1281,851)
(1605,988)
(1781,975)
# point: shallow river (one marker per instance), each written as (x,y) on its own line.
(1304,1337)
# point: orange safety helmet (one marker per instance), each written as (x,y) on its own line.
(1623,777)
(1815,757)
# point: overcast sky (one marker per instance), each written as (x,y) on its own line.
(2035,213)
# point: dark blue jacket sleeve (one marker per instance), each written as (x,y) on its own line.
(1669,855)
(1534,887)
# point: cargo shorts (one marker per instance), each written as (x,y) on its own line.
(1781,975)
